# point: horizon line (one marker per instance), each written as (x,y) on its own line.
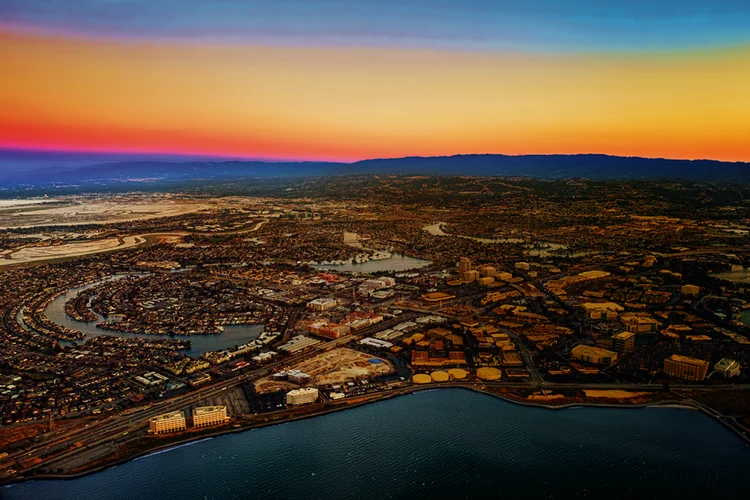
(291,159)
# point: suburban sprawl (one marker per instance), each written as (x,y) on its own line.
(135,321)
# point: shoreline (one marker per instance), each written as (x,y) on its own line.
(668,403)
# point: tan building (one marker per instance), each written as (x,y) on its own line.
(686,368)
(470,276)
(623,341)
(601,310)
(727,367)
(595,355)
(167,422)
(487,280)
(302,396)
(322,304)
(638,322)
(464,265)
(487,271)
(204,416)
(690,290)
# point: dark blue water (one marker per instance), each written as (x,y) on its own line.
(450,443)
(232,335)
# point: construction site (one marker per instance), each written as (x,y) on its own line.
(330,368)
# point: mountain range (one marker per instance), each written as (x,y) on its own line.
(83,169)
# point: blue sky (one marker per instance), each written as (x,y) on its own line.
(544,25)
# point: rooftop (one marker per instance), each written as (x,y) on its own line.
(202,410)
(685,359)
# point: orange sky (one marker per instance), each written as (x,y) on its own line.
(354,103)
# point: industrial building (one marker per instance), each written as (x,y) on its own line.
(298,343)
(204,416)
(302,396)
(686,368)
(151,379)
(595,355)
(623,342)
(167,422)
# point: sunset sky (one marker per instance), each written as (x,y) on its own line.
(346,80)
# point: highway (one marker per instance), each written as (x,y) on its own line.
(65,444)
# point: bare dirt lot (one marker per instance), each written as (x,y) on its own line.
(97,212)
(42,253)
(333,367)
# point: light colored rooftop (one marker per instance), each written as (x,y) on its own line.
(593,306)
(726,364)
(688,360)
(592,351)
(304,390)
(203,410)
(168,416)
(624,335)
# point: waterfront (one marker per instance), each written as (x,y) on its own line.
(532,249)
(231,336)
(740,274)
(448,443)
(394,263)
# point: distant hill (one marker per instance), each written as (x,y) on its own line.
(591,166)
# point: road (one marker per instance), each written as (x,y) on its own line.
(66,444)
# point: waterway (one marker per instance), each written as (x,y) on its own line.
(394,263)
(231,336)
(448,443)
(535,249)
(738,273)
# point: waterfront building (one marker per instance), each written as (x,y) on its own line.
(595,355)
(167,422)
(727,367)
(686,368)
(302,396)
(204,416)
(623,342)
